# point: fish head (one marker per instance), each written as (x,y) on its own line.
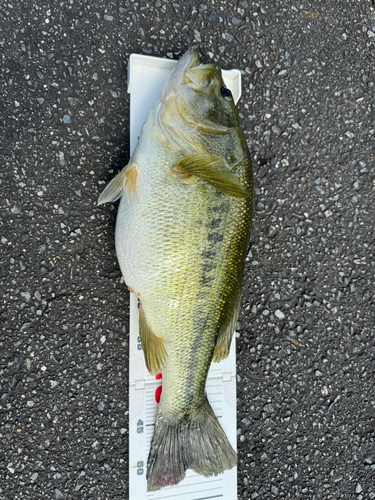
(195,97)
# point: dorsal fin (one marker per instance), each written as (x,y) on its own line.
(228,326)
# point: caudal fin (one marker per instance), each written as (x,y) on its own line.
(194,442)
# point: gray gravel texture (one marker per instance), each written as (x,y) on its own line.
(305,352)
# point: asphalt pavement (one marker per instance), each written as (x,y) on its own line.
(305,346)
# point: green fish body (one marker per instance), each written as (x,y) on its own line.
(182,233)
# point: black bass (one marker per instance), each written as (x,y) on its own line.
(182,233)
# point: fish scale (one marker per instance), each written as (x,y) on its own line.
(191,389)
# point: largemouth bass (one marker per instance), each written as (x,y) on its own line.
(182,233)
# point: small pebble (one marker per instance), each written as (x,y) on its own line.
(73,101)
(279,314)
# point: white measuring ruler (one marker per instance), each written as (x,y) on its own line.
(146,78)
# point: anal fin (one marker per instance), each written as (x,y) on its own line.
(225,334)
(153,347)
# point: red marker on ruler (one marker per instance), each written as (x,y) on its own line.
(158,389)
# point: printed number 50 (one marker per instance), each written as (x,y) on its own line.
(140,466)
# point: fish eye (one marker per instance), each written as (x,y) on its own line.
(226,93)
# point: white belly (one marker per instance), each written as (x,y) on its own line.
(130,245)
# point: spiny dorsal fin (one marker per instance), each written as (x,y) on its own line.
(153,347)
(228,326)
(214,170)
(124,182)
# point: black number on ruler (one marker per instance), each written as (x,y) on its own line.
(140,468)
(139,345)
(140,427)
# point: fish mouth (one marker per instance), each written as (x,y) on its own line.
(195,74)
(188,71)
(200,77)
(189,60)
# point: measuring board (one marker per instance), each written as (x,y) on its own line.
(146,78)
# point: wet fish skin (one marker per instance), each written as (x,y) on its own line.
(182,233)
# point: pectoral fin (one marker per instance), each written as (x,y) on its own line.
(228,326)
(124,182)
(153,347)
(214,170)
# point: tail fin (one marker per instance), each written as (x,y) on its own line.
(192,442)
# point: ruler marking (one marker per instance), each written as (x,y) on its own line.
(206,498)
(173,494)
(192,477)
(192,492)
(211,481)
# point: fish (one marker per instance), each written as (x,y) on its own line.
(182,233)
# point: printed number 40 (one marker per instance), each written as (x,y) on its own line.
(140,426)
